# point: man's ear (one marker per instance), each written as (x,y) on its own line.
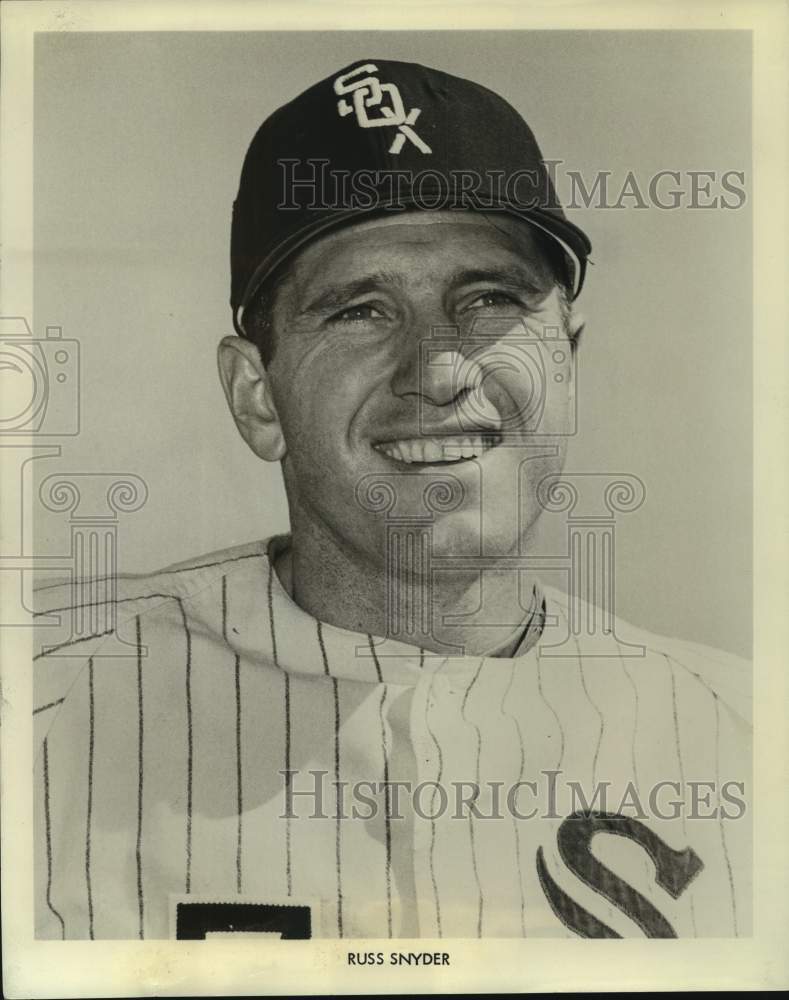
(247,388)
(575,327)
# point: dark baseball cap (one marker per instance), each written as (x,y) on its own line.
(381,136)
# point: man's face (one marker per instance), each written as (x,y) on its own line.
(409,351)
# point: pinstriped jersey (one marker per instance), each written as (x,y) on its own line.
(210,759)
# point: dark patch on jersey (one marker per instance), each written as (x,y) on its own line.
(193,921)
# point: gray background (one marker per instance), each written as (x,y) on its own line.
(139,140)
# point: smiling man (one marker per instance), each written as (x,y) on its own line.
(382,724)
(346,395)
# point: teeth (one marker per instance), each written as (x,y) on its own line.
(445,449)
(433,452)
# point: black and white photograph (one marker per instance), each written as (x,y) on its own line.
(380,505)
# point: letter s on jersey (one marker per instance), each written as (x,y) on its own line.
(674,871)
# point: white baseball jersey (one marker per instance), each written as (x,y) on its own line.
(212,759)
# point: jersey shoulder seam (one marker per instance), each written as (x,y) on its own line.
(185,597)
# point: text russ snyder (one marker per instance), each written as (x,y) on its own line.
(398,958)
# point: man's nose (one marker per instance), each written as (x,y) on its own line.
(433,367)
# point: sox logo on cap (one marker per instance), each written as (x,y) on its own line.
(367,93)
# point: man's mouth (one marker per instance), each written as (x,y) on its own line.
(436,450)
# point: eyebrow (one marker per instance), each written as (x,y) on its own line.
(338,295)
(511,274)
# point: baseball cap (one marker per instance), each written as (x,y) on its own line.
(383,136)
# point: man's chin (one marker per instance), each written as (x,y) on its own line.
(459,534)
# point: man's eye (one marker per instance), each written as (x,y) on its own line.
(357,314)
(492,299)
